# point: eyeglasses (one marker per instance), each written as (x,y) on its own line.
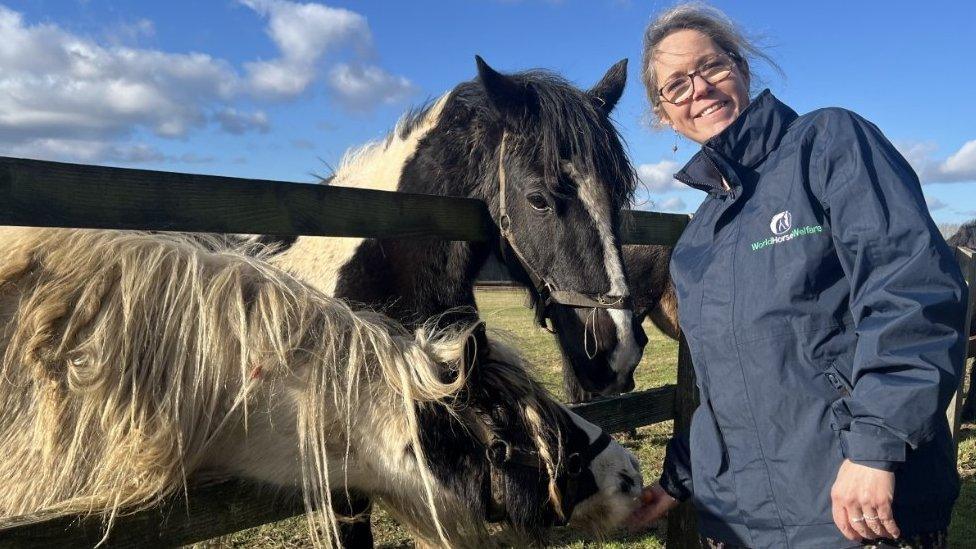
(680,88)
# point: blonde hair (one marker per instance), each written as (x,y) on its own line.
(129,358)
(707,20)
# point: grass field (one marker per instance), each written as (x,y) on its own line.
(503,309)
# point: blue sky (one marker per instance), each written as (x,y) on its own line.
(279,89)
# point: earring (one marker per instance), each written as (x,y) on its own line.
(674,147)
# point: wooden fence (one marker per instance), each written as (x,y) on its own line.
(38,193)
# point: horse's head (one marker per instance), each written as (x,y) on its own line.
(556,177)
(517,456)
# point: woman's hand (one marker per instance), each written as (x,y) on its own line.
(862,499)
(655,503)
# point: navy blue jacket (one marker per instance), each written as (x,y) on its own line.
(824,314)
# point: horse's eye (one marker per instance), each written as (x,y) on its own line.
(538,202)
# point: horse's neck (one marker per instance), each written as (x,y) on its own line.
(411,280)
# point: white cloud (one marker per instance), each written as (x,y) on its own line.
(233,121)
(958,167)
(73,98)
(305,34)
(57,85)
(934,203)
(659,177)
(360,88)
(672,204)
(83,150)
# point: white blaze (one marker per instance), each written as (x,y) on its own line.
(628,353)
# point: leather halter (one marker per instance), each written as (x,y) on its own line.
(548,292)
(501,454)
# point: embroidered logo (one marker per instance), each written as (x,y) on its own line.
(781,223)
(782,228)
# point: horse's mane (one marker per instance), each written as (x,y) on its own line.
(560,123)
(399,143)
(126,355)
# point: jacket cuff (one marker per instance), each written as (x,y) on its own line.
(676,475)
(865,443)
(890,466)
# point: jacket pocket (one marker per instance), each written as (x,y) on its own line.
(837,380)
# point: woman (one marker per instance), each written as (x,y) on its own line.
(822,309)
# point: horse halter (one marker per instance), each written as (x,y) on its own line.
(501,454)
(548,293)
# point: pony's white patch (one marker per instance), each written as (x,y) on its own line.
(377,165)
(610,505)
(627,353)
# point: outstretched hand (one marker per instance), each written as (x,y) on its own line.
(861,498)
(655,503)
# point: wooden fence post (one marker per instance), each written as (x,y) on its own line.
(967,263)
(682,524)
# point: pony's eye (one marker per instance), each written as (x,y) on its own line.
(538,201)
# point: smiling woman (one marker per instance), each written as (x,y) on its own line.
(822,309)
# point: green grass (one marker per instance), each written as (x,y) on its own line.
(503,309)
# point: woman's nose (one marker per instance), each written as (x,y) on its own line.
(701,86)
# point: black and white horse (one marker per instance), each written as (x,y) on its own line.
(552,151)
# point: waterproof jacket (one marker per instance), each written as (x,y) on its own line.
(824,313)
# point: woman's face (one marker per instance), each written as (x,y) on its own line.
(711,107)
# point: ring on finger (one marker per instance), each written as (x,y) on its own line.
(871,518)
(858,519)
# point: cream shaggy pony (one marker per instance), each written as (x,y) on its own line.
(134,363)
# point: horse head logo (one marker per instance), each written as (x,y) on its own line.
(781,223)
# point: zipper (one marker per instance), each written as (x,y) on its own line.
(838,381)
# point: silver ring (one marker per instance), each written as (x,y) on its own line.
(870,518)
(859,519)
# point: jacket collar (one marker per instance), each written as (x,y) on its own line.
(745,142)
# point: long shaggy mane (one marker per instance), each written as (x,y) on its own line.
(126,356)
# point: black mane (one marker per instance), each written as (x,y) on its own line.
(559,123)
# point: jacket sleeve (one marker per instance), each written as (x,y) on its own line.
(676,476)
(907,296)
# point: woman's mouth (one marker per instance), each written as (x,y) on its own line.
(712,109)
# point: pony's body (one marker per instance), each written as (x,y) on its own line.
(135,363)
(650,284)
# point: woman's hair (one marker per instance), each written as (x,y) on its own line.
(707,20)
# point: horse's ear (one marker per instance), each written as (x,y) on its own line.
(476,347)
(505,95)
(608,90)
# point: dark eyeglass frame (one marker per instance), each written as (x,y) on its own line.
(731,61)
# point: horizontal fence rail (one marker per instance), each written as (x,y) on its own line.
(39,193)
(53,194)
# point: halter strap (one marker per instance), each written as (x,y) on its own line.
(500,453)
(548,293)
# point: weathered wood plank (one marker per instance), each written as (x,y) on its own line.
(967,264)
(209,511)
(629,411)
(640,227)
(54,194)
(682,522)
